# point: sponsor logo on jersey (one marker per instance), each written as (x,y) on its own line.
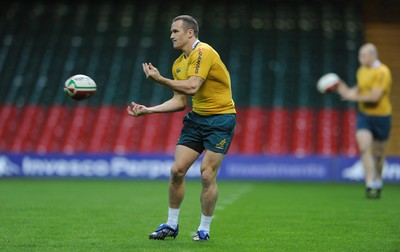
(198,61)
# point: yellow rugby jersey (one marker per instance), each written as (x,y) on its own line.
(379,77)
(215,94)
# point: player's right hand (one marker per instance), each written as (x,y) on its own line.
(135,109)
(151,72)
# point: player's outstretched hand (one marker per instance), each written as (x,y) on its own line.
(135,109)
(346,93)
(151,72)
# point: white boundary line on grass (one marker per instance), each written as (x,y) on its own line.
(232,198)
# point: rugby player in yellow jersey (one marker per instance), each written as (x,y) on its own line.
(198,74)
(372,93)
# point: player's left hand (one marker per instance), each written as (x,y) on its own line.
(151,72)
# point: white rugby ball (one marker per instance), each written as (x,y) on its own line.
(80,87)
(328,83)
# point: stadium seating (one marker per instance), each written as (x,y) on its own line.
(301,143)
(52,130)
(278,132)
(275,51)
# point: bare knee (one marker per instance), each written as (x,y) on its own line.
(177,173)
(208,174)
(207,177)
(364,141)
(365,151)
(209,168)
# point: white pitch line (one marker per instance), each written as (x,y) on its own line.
(232,198)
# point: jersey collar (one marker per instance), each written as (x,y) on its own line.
(376,64)
(195,44)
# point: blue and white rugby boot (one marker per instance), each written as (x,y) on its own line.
(164,231)
(201,236)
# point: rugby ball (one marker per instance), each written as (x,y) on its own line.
(80,87)
(328,83)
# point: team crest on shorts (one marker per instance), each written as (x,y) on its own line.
(221,145)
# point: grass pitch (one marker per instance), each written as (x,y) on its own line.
(102,215)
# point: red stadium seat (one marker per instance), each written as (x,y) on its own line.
(153,132)
(303,132)
(111,129)
(349,145)
(128,133)
(103,130)
(253,131)
(78,130)
(239,132)
(52,130)
(28,129)
(327,132)
(278,133)
(8,119)
(171,132)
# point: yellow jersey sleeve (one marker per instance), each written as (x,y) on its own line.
(368,79)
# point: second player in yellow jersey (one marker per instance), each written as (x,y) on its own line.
(375,77)
(372,93)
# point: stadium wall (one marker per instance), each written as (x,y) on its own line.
(234,167)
